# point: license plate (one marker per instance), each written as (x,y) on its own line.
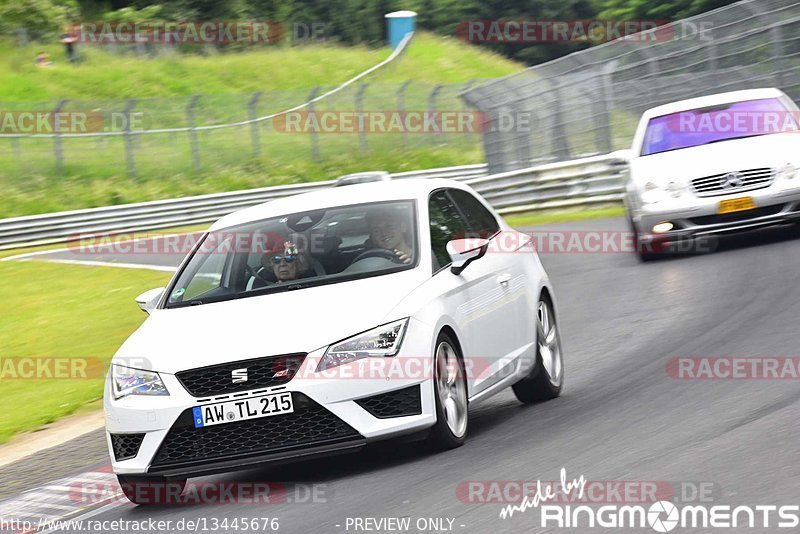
(242,409)
(732,205)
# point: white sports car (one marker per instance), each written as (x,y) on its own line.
(712,165)
(317,323)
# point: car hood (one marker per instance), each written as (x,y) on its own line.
(682,165)
(302,320)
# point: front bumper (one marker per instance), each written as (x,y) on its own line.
(694,217)
(332,414)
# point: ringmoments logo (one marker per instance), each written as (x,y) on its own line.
(660,516)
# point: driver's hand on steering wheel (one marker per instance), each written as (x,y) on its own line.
(402,256)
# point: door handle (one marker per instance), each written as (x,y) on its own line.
(503,279)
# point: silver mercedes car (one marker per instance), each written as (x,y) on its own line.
(712,165)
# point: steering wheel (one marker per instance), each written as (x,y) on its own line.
(256,274)
(384,253)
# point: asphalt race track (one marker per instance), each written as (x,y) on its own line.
(622,416)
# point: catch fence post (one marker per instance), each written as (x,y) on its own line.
(58,148)
(130,158)
(254,133)
(432,112)
(314,133)
(193,141)
(401,107)
(362,134)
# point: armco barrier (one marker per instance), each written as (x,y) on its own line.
(58,227)
(585,181)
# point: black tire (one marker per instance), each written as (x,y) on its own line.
(645,257)
(151,490)
(441,437)
(642,252)
(538,386)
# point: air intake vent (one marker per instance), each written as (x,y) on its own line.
(126,446)
(397,403)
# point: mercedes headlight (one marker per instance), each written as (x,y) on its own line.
(788,171)
(126,381)
(652,193)
(674,189)
(382,341)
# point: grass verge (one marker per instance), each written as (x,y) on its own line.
(61,311)
(556,216)
(102,75)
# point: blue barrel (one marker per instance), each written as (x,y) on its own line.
(399,24)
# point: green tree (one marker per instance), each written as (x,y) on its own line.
(444,16)
(39,18)
(670,10)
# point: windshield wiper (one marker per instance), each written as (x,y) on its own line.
(185,303)
(292,287)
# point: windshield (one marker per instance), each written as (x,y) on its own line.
(299,250)
(717,123)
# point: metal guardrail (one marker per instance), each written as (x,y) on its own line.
(585,181)
(579,182)
(62,226)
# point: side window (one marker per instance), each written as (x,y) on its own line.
(481,221)
(208,274)
(446,224)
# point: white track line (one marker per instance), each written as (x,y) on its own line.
(83,516)
(21,257)
(60,499)
(27,255)
(93,263)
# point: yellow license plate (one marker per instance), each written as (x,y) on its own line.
(732,205)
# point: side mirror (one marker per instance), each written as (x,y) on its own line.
(462,252)
(148,300)
(622,156)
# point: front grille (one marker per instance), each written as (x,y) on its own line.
(397,403)
(260,373)
(719,184)
(126,446)
(309,424)
(738,216)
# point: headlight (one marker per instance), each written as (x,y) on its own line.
(126,381)
(652,193)
(674,189)
(382,341)
(788,171)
